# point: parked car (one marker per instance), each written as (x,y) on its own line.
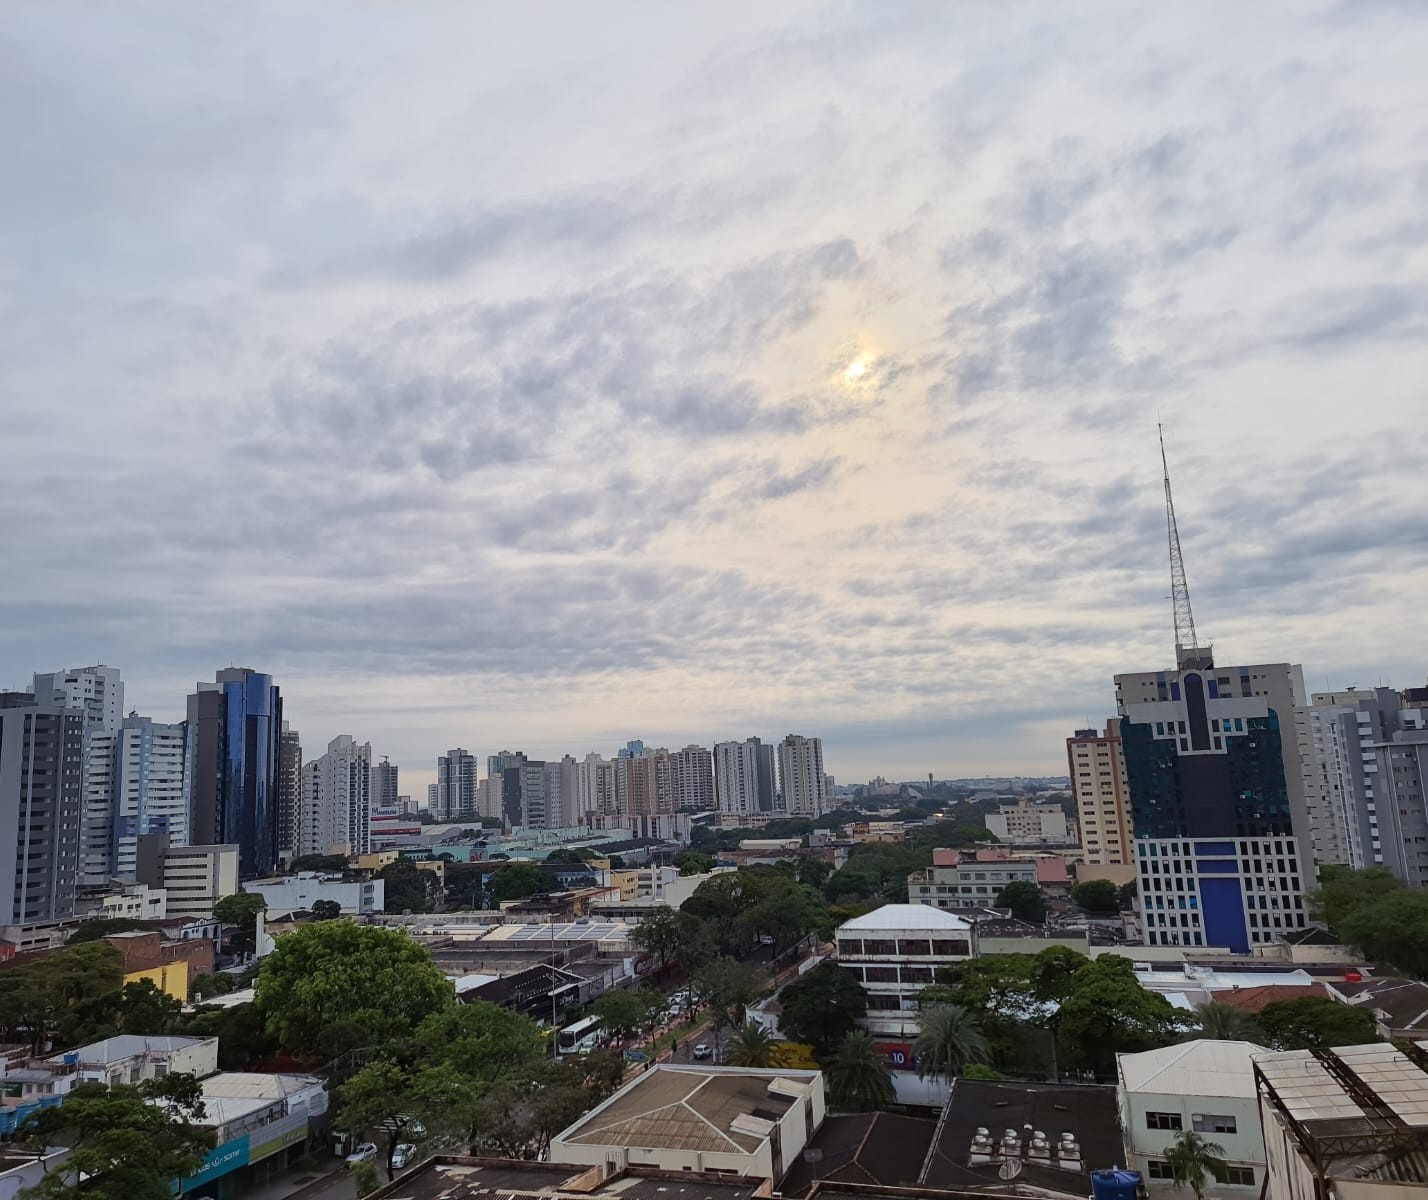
(366,1152)
(403,1156)
(702,1050)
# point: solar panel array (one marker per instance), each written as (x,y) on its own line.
(1306,1089)
(544,933)
(1399,1083)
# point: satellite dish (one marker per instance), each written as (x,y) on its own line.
(1010,1169)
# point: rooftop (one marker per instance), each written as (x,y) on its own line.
(251,1085)
(1087,1113)
(1199,1068)
(1252,999)
(904,916)
(447,1178)
(873,1148)
(676,1107)
(124,1046)
(1404,1002)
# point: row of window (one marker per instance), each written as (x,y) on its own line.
(1238,1176)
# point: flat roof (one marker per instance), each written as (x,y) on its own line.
(446,1178)
(255,1085)
(1200,1068)
(126,1045)
(678,1107)
(592,931)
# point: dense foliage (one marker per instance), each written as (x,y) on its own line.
(822,1007)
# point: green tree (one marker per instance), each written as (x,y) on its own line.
(858,1075)
(822,1007)
(1193,1160)
(753,1046)
(219,984)
(376,978)
(480,1040)
(405,887)
(240,911)
(1392,930)
(691,862)
(1106,1010)
(981,1071)
(365,1178)
(948,1040)
(787,911)
(53,996)
(1024,899)
(721,902)
(1342,892)
(326,910)
(1128,894)
(570,855)
(384,1095)
(728,987)
(241,1030)
(813,872)
(622,1012)
(516,881)
(659,934)
(1222,1023)
(1315,1023)
(128,1142)
(326,863)
(1097,896)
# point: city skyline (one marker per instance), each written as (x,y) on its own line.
(714,374)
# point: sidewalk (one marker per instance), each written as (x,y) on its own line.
(309,1179)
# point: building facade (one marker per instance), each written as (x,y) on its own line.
(289,788)
(801,778)
(384,786)
(98,691)
(693,769)
(336,812)
(41,807)
(893,952)
(298,893)
(744,777)
(1027,823)
(150,788)
(596,784)
(234,740)
(1097,767)
(1215,783)
(195,878)
(455,785)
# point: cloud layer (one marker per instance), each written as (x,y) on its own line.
(548,376)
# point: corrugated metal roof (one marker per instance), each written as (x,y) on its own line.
(1199,1068)
(905,916)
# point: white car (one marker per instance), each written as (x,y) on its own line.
(403,1156)
(366,1152)
(702,1050)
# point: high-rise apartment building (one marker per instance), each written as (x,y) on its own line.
(289,789)
(595,788)
(234,746)
(97,816)
(1098,782)
(384,786)
(97,690)
(336,812)
(744,777)
(41,807)
(150,788)
(800,776)
(506,772)
(1336,734)
(455,785)
(645,783)
(433,797)
(693,779)
(562,793)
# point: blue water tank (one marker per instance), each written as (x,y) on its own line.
(1115,1184)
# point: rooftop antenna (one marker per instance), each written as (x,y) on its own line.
(1187,646)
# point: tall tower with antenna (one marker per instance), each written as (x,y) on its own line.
(1188,651)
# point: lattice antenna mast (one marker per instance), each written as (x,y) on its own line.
(1185,638)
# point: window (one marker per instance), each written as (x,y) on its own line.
(1240,1176)
(1159,1170)
(1162,1120)
(1210,1123)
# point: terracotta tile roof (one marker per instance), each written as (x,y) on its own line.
(1252,999)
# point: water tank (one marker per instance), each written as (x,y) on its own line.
(1115,1184)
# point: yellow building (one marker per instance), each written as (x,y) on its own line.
(1098,781)
(376,860)
(171,978)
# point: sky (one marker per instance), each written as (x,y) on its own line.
(543,376)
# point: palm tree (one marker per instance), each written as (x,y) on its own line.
(949,1040)
(753,1046)
(1191,1158)
(1222,1023)
(858,1075)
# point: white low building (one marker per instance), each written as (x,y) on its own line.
(734,1120)
(1204,1086)
(298,893)
(893,952)
(132,1058)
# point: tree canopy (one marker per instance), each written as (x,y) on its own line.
(51,998)
(1314,1023)
(516,881)
(1097,896)
(1377,914)
(406,888)
(1024,899)
(129,1141)
(377,979)
(822,1007)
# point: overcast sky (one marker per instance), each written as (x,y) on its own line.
(544,376)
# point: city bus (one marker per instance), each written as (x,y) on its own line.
(579,1037)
